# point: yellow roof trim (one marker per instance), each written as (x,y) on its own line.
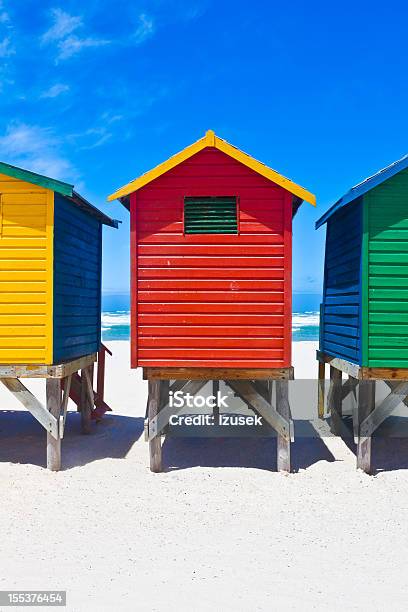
(211,140)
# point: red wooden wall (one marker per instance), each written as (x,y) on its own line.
(211,300)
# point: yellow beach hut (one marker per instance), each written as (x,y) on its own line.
(50,289)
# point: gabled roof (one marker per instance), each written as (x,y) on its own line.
(211,140)
(361,188)
(60,187)
(36,179)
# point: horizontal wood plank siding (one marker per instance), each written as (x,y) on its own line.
(211,300)
(388,273)
(77,281)
(26,232)
(341,310)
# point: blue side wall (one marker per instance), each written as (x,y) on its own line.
(77,281)
(340,331)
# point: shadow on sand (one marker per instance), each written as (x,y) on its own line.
(23,440)
(250,452)
(389,446)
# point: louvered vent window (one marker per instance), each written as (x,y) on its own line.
(210,215)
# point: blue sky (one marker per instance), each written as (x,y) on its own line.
(96,93)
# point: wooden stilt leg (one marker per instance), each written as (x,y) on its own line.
(216,410)
(164,393)
(354,409)
(335,400)
(320,391)
(85,405)
(153,409)
(91,371)
(366,404)
(100,376)
(282,407)
(54,395)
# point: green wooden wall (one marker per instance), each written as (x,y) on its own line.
(385,274)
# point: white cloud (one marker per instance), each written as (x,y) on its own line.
(145,29)
(101,135)
(55,90)
(6,48)
(108,117)
(35,148)
(63,34)
(73,45)
(63,25)
(4,16)
(194,12)
(91,138)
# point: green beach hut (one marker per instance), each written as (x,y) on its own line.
(364,313)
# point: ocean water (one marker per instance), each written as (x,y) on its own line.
(116,317)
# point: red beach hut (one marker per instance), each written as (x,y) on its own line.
(211,281)
(211,257)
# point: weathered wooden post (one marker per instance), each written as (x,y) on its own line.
(321,389)
(153,411)
(335,400)
(366,405)
(86,401)
(283,408)
(54,396)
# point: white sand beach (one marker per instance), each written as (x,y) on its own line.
(219,530)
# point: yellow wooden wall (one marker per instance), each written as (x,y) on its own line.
(26,272)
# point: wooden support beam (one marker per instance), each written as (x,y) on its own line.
(385,373)
(101,405)
(247,392)
(381,412)
(53,392)
(155,449)
(58,378)
(348,386)
(89,384)
(177,385)
(164,393)
(64,407)
(264,388)
(334,400)
(217,373)
(76,390)
(354,409)
(29,401)
(363,372)
(158,423)
(366,401)
(343,365)
(283,408)
(100,377)
(393,385)
(320,389)
(86,407)
(47,371)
